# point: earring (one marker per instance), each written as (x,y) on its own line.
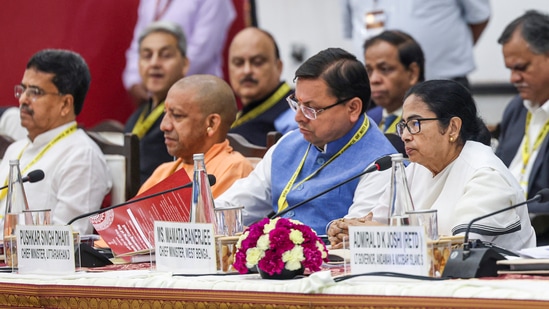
(208,129)
(451,139)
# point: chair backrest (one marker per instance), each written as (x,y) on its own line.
(253,153)
(123,161)
(247,149)
(397,143)
(112,130)
(272,138)
(108,125)
(5,141)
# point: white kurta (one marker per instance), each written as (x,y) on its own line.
(474,184)
(76,176)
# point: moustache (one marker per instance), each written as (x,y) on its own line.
(248,79)
(25,108)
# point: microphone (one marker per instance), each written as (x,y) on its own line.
(472,262)
(31,177)
(211,179)
(380,164)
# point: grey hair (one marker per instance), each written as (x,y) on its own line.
(168,27)
(534,29)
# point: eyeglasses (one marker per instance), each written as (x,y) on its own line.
(32,92)
(307,111)
(413,125)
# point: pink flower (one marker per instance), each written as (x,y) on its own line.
(271,263)
(280,240)
(283,236)
(240,262)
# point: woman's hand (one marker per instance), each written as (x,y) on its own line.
(338,232)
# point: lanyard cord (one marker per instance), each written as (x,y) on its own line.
(526,153)
(144,124)
(261,108)
(282,202)
(68,131)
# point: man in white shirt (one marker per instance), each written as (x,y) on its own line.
(51,94)
(446,30)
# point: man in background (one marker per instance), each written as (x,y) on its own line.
(51,94)
(162,62)
(335,142)
(446,31)
(394,62)
(199,112)
(205,24)
(254,70)
(524,138)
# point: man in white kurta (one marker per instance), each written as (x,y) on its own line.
(51,94)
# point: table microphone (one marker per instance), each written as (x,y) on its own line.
(31,177)
(380,164)
(471,262)
(211,179)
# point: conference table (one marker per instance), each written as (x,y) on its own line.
(145,287)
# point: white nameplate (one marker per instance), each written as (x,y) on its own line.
(187,248)
(45,249)
(401,249)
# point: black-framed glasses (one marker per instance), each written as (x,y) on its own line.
(413,125)
(307,111)
(32,92)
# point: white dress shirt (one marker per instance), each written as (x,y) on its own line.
(540,115)
(76,176)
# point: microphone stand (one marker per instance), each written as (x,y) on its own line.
(471,262)
(380,165)
(467,244)
(34,176)
(280,213)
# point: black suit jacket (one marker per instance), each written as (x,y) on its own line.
(152,149)
(512,131)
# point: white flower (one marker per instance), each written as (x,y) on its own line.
(293,258)
(253,255)
(241,238)
(320,248)
(263,242)
(296,222)
(269,226)
(296,237)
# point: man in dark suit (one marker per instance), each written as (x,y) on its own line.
(254,72)
(162,62)
(524,139)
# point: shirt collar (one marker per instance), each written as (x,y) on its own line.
(333,147)
(397,113)
(46,137)
(533,107)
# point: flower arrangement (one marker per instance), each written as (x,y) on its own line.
(278,244)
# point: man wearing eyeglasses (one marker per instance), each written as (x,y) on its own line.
(254,70)
(51,94)
(335,142)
